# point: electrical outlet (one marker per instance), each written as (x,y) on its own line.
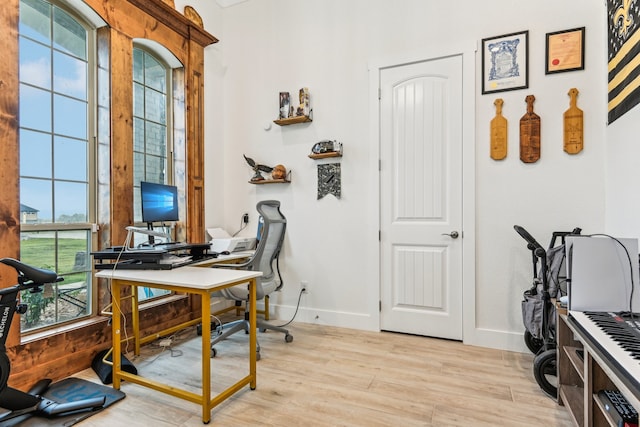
(166,342)
(304,286)
(245,218)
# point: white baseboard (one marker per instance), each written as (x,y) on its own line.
(324,317)
(500,340)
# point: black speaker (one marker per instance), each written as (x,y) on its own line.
(105,371)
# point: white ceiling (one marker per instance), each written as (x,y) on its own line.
(227,3)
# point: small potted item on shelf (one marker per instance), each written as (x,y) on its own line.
(326,148)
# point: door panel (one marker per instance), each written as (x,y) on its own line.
(421,197)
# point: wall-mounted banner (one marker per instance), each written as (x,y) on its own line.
(624,62)
(329,181)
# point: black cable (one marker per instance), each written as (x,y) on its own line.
(630,268)
(296,312)
(243,225)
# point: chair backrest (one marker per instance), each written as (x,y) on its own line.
(269,245)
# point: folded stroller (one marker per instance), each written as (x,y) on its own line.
(538,310)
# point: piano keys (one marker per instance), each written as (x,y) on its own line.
(617,337)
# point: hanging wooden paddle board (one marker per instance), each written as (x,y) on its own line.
(530,133)
(498,133)
(573,130)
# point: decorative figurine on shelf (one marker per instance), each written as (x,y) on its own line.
(279,172)
(257,168)
(303,107)
(327,146)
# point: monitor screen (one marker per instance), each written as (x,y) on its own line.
(159,202)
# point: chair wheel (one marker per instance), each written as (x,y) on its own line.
(214,352)
(263,329)
(288,338)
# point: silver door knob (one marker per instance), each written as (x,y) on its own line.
(453,234)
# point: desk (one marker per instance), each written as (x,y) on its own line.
(193,280)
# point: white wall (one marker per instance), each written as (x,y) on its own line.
(268,46)
(623,175)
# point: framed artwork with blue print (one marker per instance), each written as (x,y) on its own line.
(505,62)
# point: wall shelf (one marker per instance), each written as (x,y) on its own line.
(325,155)
(271,181)
(293,120)
(285,180)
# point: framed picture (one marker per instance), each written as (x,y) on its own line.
(505,62)
(565,51)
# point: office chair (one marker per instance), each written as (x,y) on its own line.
(267,251)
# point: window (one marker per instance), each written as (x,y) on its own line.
(56,174)
(151,153)
(151,137)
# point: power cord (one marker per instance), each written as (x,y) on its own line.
(244,220)
(127,241)
(631,315)
(296,312)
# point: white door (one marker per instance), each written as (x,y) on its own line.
(421,197)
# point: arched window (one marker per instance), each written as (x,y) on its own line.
(56,147)
(152,154)
(153,126)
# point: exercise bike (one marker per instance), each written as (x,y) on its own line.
(17,402)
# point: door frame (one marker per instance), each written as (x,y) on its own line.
(468,52)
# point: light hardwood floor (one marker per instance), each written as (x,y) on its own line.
(341,377)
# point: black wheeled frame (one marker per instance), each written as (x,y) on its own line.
(19,403)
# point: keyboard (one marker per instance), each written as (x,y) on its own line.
(617,336)
(174,260)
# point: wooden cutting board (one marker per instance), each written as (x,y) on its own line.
(573,125)
(498,135)
(530,133)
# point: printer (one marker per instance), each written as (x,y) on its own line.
(222,241)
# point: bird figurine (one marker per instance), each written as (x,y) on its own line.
(257,168)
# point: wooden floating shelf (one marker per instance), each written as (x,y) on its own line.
(271,181)
(293,120)
(325,155)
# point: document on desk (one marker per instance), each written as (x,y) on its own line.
(174,260)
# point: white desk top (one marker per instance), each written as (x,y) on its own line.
(188,277)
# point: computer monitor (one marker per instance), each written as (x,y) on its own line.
(159,203)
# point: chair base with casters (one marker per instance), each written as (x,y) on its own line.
(225,331)
(17,402)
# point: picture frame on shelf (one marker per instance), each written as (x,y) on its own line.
(285,106)
(505,62)
(565,51)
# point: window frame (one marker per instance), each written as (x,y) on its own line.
(89,226)
(151,294)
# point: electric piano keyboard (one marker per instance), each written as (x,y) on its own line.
(618,339)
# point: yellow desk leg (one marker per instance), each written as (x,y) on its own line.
(116,325)
(206,357)
(252,333)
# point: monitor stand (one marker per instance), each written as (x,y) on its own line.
(151,239)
